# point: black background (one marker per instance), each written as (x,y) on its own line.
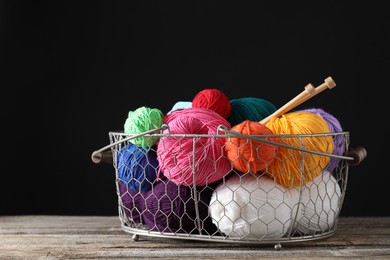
(72,70)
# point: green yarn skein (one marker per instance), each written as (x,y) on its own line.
(141,120)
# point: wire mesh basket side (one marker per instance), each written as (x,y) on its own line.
(229,205)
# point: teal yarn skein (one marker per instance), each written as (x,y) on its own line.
(249,108)
(141,120)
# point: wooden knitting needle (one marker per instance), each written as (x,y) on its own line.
(308,93)
(328,83)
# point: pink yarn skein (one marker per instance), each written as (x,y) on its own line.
(181,158)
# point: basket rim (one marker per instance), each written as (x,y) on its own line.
(122,133)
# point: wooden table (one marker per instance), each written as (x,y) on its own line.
(82,237)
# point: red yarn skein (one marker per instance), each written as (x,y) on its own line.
(249,155)
(213,99)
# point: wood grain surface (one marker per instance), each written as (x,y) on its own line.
(101,237)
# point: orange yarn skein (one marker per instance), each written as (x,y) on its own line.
(248,155)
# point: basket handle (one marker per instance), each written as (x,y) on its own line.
(354,156)
(358,154)
(103,155)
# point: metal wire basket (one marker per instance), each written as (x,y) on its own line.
(240,207)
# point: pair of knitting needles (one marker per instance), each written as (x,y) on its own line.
(354,156)
(309,92)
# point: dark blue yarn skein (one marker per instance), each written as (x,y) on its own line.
(137,167)
(249,108)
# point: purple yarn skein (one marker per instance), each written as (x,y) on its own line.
(132,203)
(338,140)
(171,208)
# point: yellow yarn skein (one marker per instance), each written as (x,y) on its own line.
(294,167)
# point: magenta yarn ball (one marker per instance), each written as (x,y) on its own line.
(180,157)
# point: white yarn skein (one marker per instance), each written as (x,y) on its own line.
(320,204)
(251,206)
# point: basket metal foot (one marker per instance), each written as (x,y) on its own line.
(135,237)
(278,246)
